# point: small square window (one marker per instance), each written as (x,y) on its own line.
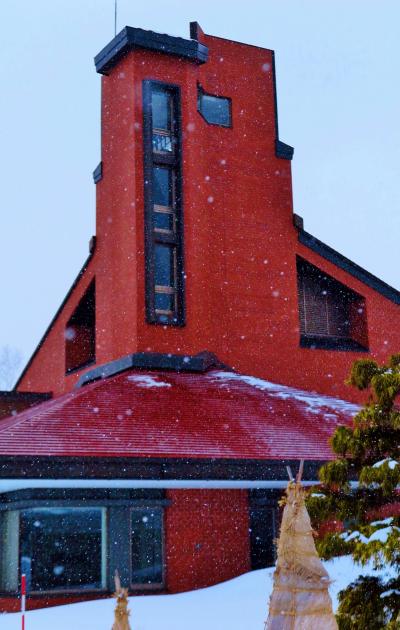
(216,110)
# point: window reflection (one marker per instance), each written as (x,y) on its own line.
(62,548)
(147,567)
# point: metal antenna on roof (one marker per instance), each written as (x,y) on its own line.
(115,16)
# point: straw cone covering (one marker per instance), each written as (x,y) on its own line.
(121,621)
(300,599)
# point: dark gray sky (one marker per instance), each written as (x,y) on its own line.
(338,72)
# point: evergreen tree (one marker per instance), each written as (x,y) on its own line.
(358,489)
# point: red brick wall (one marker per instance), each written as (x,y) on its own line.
(207,537)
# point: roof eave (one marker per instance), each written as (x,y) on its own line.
(130,38)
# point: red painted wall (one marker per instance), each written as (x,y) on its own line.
(240,242)
(207,537)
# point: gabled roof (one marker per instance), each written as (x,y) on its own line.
(164,414)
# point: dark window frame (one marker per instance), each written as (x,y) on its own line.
(202,92)
(134,586)
(173,161)
(345,343)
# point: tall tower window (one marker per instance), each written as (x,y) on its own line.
(163,204)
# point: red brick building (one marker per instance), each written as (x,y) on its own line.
(202,348)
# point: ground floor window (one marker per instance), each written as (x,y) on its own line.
(62,548)
(61,544)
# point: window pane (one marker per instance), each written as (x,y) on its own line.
(164,221)
(61,548)
(215,110)
(9,542)
(162,186)
(161,103)
(162,142)
(161,110)
(164,265)
(165,302)
(324,304)
(147,547)
(338,313)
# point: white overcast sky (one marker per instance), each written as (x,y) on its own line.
(338,69)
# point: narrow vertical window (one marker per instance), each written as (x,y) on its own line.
(163,204)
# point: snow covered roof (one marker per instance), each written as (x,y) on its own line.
(165,414)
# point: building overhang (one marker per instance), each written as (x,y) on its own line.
(147,471)
(130,38)
(13,485)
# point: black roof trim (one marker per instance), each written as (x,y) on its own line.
(13,396)
(194,28)
(50,326)
(131,37)
(200,362)
(157,468)
(98,173)
(348,265)
(284,151)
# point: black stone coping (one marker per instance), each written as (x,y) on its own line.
(28,397)
(98,173)
(130,38)
(200,362)
(284,151)
(348,265)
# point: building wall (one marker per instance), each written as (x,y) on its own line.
(207,537)
(239,239)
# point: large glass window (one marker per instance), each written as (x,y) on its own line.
(146,546)
(163,204)
(62,548)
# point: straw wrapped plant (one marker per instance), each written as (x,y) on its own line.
(300,598)
(121,621)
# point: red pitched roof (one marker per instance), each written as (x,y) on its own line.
(169,414)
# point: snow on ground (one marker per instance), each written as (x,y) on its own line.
(239,604)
